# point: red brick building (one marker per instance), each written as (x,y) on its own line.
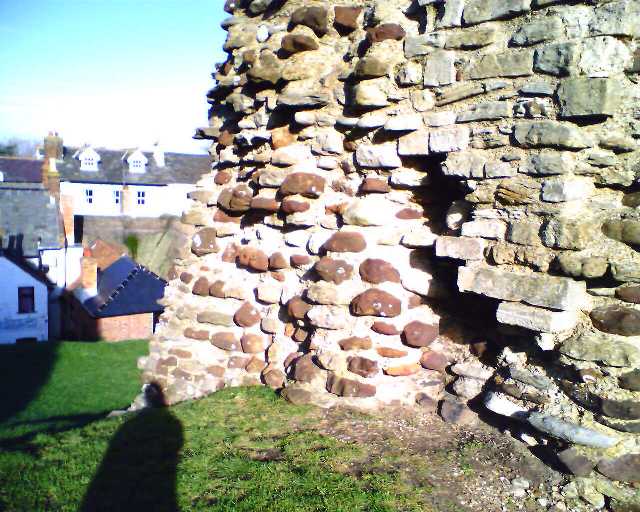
(114,304)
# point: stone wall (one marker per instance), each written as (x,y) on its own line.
(160,239)
(425,203)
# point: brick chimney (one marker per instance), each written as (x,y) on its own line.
(158,155)
(53,152)
(66,208)
(89,274)
(128,200)
(53,146)
(53,178)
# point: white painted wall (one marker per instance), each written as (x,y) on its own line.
(177,192)
(64,265)
(13,325)
(159,200)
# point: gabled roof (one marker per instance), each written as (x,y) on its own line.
(27,268)
(21,170)
(126,288)
(29,219)
(113,168)
(135,154)
(86,152)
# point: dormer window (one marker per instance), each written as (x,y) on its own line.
(89,159)
(137,162)
(88,164)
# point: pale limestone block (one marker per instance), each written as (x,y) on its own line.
(536,319)
(567,188)
(378,155)
(485,228)
(536,289)
(414,144)
(461,248)
(445,140)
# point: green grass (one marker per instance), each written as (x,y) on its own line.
(242,449)
(54,386)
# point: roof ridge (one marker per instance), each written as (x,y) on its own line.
(12,157)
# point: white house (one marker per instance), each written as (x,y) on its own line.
(36,230)
(23,302)
(40,202)
(133,183)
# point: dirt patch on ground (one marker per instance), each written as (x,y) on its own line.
(463,468)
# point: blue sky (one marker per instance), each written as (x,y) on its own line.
(115,73)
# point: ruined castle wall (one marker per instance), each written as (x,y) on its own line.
(426,203)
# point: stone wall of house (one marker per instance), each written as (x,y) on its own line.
(424,202)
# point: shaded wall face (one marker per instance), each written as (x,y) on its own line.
(399,187)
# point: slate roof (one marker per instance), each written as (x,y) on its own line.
(126,288)
(21,170)
(28,218)
(113,168)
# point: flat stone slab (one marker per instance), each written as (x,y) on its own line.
(477,11)
(535,289)
(536,319)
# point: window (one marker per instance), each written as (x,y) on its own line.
(117,196)
(88,195)
(141,196)
(136,165)
(88,163)
(137,161)
(26,300)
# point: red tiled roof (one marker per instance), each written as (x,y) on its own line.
(106,253)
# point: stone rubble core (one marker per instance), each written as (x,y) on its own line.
(368,151)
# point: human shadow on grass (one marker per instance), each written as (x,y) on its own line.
(138,471)
(24,369)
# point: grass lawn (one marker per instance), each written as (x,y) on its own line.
(242,449)
(54,386)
